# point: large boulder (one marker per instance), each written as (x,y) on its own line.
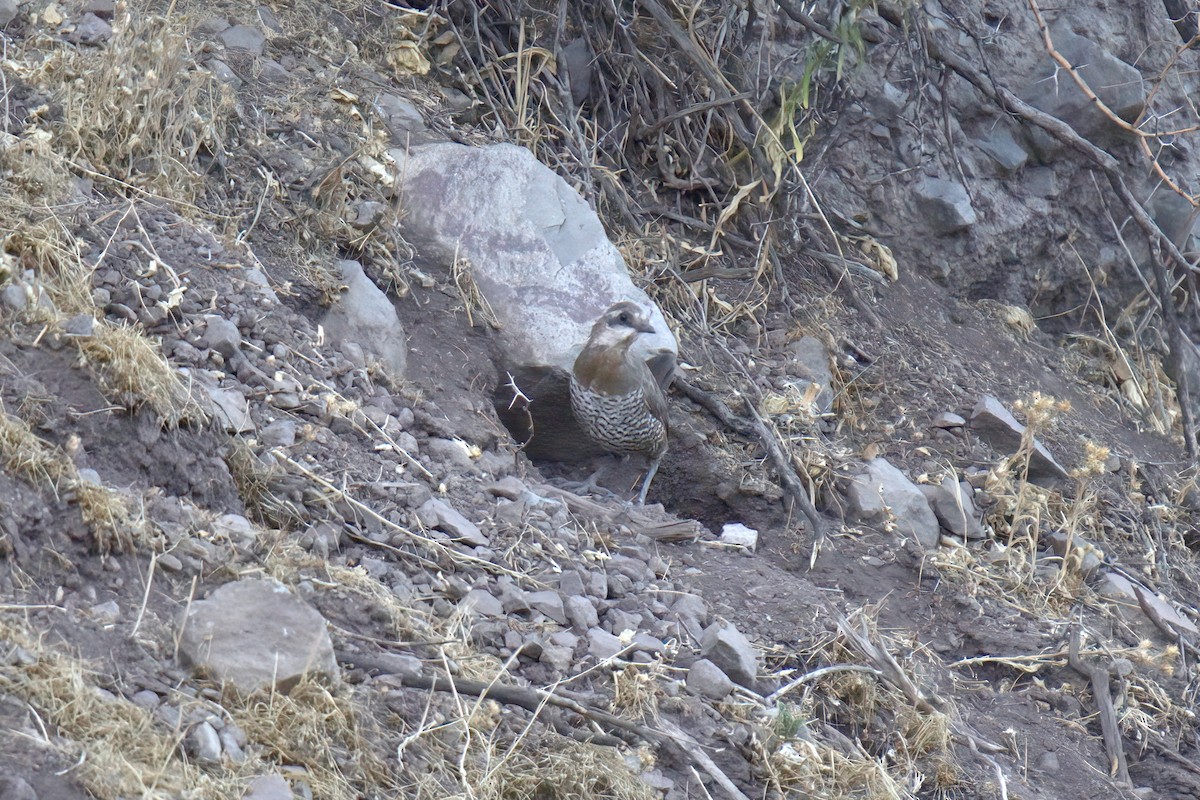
(542,262)
(535,248)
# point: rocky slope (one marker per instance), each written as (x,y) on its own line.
(273,525)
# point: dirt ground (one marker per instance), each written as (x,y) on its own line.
(981,629)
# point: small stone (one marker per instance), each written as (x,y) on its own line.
(581,612)
(729,649)
(735,533)
(947,419)
(8,11)
(603,644)
(213,26)
(269,787)
(482,602)
(170,563)
(708,680)
(883,495)
(231,409)
(448,519)
(550,603)
(368,214)
(106,613)
(146,699)
(90,30)
(204,744)
(11,786)
(235,528)
(80,325)
(954,507)
(945,205)
(557,657)
(14,298)
(244,37)
(280,433)
(222,335)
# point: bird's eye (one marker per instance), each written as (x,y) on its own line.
(624,318)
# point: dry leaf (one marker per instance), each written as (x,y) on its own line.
(407,59)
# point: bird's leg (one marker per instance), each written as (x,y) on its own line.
(649,477)
(591,485)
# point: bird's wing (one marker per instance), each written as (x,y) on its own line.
(655,398)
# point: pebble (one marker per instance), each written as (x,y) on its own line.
(204,744)
(735,533)
(581,612)
(269,787)
(482,602)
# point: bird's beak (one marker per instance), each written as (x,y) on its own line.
(646,327)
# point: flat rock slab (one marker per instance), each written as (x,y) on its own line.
(251,635)
(996,425)
(364,315)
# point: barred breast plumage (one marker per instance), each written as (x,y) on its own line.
(616,398)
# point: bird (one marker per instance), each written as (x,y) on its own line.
(615,396)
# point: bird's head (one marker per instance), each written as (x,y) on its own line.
(620,325)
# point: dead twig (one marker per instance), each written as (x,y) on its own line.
(1109,727)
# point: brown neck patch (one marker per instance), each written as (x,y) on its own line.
(606,370)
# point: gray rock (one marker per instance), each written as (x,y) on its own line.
(808,360)
(235,528)
(251,635)
(954,506)
(400,116)
(106,613)
(1118,84)
(8,11)
(603,644)
(244,37)
(735,533)
(947,419)
(579,63)
(448,519)
(945,205)
(482,602)
(222,72)
(204,744)
(1004,149)
(90,30)
(368,213)
(269,787)
(280,433)
(146,699)
(887,103)
(581,613)
(1000,429)
(80,325)
(557,657)
(570,582)
(223,336)
(726,647)
(14,297)
(13,787)
(708,680)
(231,410)
(538,252)
(212,26)
(550,603)
(365,315)
(883,494)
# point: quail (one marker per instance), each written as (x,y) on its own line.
(616,398)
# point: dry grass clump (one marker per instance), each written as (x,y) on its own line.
(553,768)
(121,752)
(132,371)
(321,731)
(139,110)
(114,524)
